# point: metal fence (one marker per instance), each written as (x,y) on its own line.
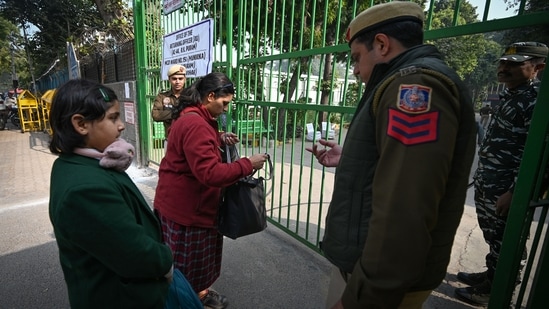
(111,66)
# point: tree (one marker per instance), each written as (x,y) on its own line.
(6,30)
(118,18)
(461,53)
(537,33)
(484,74)
(51,23)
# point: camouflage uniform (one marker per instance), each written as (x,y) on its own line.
(499,160)
(162,108)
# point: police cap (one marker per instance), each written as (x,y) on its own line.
(177,69)
(383,14)
(522,51)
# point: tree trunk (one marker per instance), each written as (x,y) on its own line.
(281,124)
(326,77)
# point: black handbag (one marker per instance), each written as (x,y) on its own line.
(242,211)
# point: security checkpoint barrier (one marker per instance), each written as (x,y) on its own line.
(29,112)
(45,109)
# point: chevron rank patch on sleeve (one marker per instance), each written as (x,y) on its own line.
(413,129)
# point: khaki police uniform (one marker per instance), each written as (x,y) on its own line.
(162,108)
(165,101)
(401,182)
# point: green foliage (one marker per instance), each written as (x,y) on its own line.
(325,85)
(51,23)
(536,33)
(484,74)
(352,94)
(6,28)
(461,53)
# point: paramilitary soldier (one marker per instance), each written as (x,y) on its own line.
(499,158)
(402,173)
(165,101)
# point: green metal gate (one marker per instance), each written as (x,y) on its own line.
(295,85)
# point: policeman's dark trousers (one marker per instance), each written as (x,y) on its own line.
(338,282)
(492,225)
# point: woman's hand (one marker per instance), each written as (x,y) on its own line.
(229,138)
(258,160)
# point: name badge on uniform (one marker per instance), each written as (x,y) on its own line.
(167,102)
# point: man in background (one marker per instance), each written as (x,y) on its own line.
(165,101)
(11,100)
(499,158)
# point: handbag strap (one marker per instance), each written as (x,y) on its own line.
(270,165)
(228,153)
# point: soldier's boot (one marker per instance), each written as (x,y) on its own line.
(478,295)
(472,278)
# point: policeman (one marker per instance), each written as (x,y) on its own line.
(402,173)
(165,101)
(500,155)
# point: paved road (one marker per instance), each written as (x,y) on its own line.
(265,270)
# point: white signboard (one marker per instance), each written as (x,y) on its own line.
(171,5)
(129,112)
(191,47)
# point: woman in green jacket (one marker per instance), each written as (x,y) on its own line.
(110,242)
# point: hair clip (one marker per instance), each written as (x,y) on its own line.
(105,95)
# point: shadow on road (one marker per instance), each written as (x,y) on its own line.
(32,278)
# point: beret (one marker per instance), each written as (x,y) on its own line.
(522,51)
(177,69)
(383,14)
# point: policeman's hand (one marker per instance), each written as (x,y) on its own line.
(258,160)
(327,157)
(503,204)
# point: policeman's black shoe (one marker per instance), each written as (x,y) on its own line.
(472,278)
(478,295)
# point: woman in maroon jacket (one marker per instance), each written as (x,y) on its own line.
(190,180)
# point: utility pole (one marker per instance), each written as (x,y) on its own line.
(13,72)
(31,69)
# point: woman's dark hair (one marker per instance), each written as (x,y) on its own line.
(215,82)
(408,33)
(77,96)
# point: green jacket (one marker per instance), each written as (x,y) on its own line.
(110,242)
(401,183)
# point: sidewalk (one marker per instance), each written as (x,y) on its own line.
(265,270)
